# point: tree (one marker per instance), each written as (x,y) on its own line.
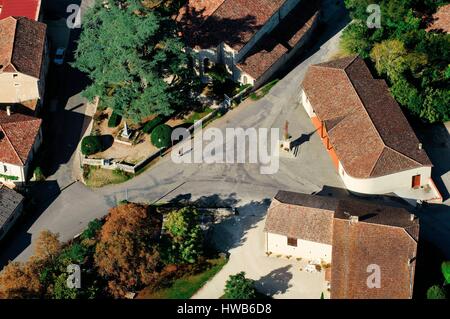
(135,59)
(91,145)
(239,287)
(390,58)
(445,268)
(162,136)
(126,253)
(185,235)
(19,281)
(47,247)
(356,39)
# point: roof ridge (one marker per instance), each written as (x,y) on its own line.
(12,146)
(404,155)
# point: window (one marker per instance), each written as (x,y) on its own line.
(292,241)
(416,181)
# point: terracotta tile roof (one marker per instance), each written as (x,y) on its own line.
(441,20)
(282,39)
(20,8)
(9,201)
(383,235)
(301,216)
(22,43)
(358,245)
(233,21)
(366,126)
(18,134)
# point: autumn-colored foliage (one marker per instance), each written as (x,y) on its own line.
(127,254)
(19,281)
(22,279)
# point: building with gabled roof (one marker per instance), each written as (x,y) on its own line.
(356,238)
(20,138)
(372,145)
(23,62)
(252,38)
(20,8)
(11,207)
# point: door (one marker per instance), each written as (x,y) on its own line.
(416,181)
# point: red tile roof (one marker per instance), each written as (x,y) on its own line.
(20,8)
(367,128)
(382,235)
(441,20)
(233,21)
(18,134)
(22,44)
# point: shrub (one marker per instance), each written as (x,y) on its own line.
(150,125)
(114,120)
(38,174)
(436,292)
(92,230)
(91,145)
(239,287)
(162,136)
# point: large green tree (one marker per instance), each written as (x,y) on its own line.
(135,59)
(239,287)
(414,62)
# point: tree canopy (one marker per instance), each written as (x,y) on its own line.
(239,287)
(126,254)
(135,59)
(414,62)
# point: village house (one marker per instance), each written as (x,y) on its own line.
(11,206)
(357,238)
(370,141)
(252,38)
(20,138)
(21,8)
(23,63)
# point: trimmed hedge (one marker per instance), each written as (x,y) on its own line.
(91,145)
(162,136)
(114,120)
(150,125)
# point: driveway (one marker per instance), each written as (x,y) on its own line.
(243,237)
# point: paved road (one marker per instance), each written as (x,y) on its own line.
(233,183)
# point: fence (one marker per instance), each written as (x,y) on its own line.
(113,165)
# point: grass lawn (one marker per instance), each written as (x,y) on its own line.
(195,116)
(255,96)
(186,287)
(98,177)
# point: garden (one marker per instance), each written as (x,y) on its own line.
(135,251)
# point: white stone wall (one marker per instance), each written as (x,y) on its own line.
(277,244)
(306,104)
(384,184)
(12,170)
(18,87)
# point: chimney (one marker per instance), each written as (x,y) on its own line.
(8,110)
(412,217)
(353,219)
(420,146)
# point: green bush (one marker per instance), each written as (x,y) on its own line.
(162,136)
(114,120)
(436,292)
(92,230)
(239,287)
(150,125)
(38,174)
(91,145)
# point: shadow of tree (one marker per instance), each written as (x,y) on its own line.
(230,232)
(275,282)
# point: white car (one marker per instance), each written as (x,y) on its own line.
(59,56)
